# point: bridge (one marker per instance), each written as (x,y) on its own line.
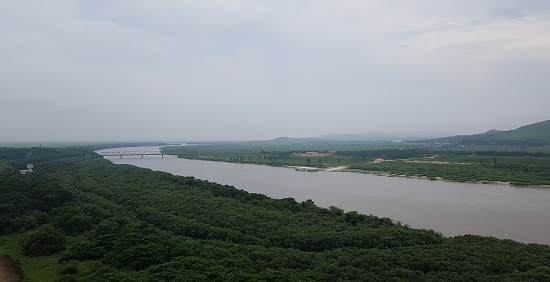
(131,153)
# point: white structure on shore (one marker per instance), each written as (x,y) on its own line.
(28,170)
(305,168)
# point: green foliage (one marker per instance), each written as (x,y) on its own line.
(70,268)
(83,250)
(267,155)
(44,242)
(402,153)
(517,170)
(25,204)
(71,220)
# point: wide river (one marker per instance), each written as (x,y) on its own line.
(518,213)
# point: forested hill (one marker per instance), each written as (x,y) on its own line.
(79,217)
(536,134)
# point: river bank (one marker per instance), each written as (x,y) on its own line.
(388,174)
(346,168)
(459,165)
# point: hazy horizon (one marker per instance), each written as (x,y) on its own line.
(236,70)
(406,134)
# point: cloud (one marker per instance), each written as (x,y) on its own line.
(233,64)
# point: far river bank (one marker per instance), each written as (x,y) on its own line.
(377,173)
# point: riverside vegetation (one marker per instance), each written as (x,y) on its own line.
(517,166)
(79,217)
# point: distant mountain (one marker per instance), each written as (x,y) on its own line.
(382,136)
(306,141)
(287,141)
(536,134)
(369,137)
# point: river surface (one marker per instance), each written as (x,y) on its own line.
(518,213)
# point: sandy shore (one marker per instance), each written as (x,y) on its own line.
(336,168)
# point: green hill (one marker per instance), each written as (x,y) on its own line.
(532,135)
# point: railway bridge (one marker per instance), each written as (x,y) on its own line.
(131,153)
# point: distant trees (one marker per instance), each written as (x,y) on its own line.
(389,153)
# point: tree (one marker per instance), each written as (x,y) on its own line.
(45,242)
(73,223)
(354,217)
(336,210)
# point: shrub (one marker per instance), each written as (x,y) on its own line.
(44,242)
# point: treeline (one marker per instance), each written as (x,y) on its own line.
(103,222)
(405,153)
(528,142)
(101,146)
(39,153)
(515,174)
(537,154)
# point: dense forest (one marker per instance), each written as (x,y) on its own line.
(79,217)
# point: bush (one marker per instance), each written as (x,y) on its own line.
(70,268)
(82,250)
(44,242)
(67,278)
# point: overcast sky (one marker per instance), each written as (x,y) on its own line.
(241,69)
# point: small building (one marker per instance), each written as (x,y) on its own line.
(379,160)
(29,169)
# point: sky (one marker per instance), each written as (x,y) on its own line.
(177,70)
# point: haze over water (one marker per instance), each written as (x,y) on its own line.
(518,213)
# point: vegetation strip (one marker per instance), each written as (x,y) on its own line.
(520,168)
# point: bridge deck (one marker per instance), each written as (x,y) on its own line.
(131,153)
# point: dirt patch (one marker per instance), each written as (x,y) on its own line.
(337,168)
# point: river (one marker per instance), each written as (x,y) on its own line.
(451,208)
